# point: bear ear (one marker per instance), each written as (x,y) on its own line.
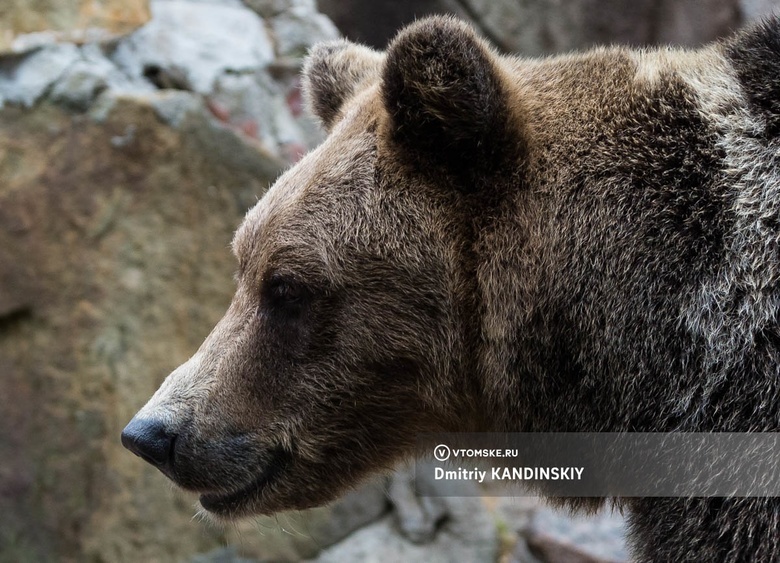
(444,95)
(332,73)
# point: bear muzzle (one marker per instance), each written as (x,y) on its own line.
(230,474)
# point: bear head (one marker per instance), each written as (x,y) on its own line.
(352,328)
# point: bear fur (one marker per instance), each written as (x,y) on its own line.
(589,242)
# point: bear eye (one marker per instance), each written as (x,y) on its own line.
(282,290)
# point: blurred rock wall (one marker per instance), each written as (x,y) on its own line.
(537,27)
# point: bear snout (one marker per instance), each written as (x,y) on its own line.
(151,440)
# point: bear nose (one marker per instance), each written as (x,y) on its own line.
(150,440)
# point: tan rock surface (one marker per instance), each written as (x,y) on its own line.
(114,265)
(25,16)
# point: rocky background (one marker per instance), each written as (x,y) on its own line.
(134,135)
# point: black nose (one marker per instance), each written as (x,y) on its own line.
(150,440)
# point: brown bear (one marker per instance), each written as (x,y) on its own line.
(588,242)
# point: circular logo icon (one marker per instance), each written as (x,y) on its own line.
(441,452)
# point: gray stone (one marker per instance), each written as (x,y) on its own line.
(221,555)
(104,104)
(258,107)
(271,8)
(246,101)
(521,553)
(81,84)
(513,26)
(287,129)
(353,511)
(468,535)
(538,27)
(692,23)
(25,78)
(296,536)
(127,137)
(756,9)
(298,28)
(82,36)
(555,536)
(417,516)
(463,529)
(34,40)
(174,106)
(231,3)
(197,41)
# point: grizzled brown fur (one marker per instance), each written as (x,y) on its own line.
(581,243)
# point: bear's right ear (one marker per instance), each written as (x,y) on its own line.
(333,73)
(444,93)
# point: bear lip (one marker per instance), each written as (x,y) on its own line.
(231,502)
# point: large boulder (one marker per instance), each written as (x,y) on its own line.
(115,265)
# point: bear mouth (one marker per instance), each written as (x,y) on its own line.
(231,502)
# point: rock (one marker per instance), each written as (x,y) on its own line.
(272,8)
(25,78)
(174,107)
(215,53)
(522,28)
(293,537)
(757,9)
(91,35)
(556,537)
(298,28)
(540,27)
(17,293)
(69,17)
(690,24)
(80,85)
(249,98)
(467,535)
(82,82)
(417,516)
(221,555)
(35,40)
(230,3)
(118,268)
(376,23)
(438,528)
(532,532)
(260,108)
(512,515)
(195,42)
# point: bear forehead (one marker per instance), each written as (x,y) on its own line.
(317,200)
(312,201)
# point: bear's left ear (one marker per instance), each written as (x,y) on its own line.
(444,95)
(333,72)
